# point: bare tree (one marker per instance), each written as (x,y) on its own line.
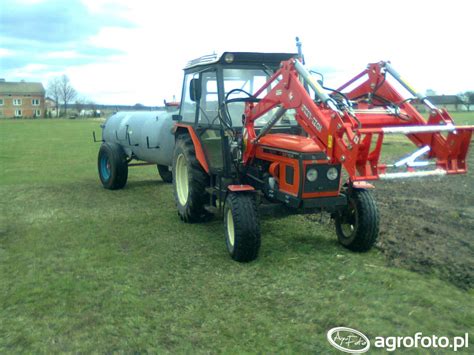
(54,91)
(91,105)
(468,99)
(80,105)
(67,92)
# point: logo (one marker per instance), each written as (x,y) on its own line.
(348,340)
(313,120)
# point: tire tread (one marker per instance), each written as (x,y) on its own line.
(368,222)
(194,210)
(246,226)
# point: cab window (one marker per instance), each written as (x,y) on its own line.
(209,103)
(188,107)
(250,81)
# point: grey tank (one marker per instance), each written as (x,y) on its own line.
(131,130)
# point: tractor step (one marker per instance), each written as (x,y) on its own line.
(211,209)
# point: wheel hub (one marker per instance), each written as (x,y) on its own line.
(349,221)
(182,182)
(230,228)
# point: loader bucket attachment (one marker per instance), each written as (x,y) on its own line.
(383,111)
(442,154)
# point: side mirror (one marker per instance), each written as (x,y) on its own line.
(195,89)
(176,117)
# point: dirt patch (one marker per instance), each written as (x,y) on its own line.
(427,225)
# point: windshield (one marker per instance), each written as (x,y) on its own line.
(250,80)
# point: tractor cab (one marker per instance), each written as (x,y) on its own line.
(215,89)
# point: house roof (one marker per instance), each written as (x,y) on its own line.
(21,88)
(445,99)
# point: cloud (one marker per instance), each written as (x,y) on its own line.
(42,36)
(107,47)
(54,21)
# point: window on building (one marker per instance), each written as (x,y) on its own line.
(37,113)
(35,102)
(1,102)
(17,102)
(18,113)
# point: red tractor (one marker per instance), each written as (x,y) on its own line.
(258,126)
(255,127)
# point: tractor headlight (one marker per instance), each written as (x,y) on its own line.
(229,58)
(312,175)
(332,173)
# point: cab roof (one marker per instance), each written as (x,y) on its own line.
(270,59)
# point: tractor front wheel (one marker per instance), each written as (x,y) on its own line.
(189,182)
(357,226)
(112,165)
(165,173)
(242,229)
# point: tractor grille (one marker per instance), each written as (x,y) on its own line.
(322,183)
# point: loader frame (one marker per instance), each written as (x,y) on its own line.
(354,137)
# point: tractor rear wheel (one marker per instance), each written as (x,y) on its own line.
(112,165)
(165,173)
(357,226)
(189,182)
(242,228)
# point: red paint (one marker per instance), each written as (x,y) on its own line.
(354,142)
(200,156)
(362,185)
(240,188)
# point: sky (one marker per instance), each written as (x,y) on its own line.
(133,51)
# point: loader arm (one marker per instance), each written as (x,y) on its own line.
(354,137)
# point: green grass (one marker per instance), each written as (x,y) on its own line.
(84,269)
(463,118)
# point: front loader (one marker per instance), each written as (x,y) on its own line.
(259,128)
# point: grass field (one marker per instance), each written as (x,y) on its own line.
(84,269)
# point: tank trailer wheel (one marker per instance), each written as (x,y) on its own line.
(189,182)
(242,229)
(357,226)
(165,173)
(112,165)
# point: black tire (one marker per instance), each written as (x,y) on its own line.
(357,227)
(112,165)
(242,227)
(191,200)
(165,173)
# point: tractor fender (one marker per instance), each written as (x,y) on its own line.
(362,185)
(350,186)
(241,189)
(180,128)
